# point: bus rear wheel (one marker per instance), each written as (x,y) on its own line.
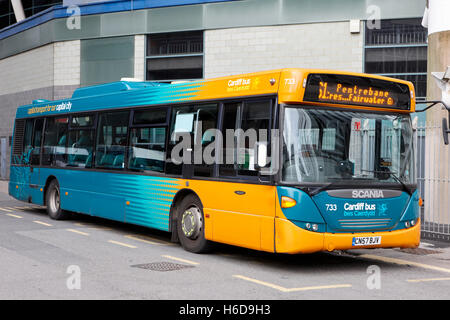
(190,225)
(53,202)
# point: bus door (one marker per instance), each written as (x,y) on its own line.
(244,211)
(193,130)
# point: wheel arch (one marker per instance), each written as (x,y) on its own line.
(49,180)
(179,196)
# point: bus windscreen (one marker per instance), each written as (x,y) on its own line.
(356,90)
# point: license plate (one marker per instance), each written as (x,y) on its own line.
(366,241)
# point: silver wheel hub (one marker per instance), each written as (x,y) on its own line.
(191,222)
(54,200)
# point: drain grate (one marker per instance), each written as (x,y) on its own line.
(162,266)
(419,251)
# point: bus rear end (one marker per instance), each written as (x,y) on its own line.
(347,177)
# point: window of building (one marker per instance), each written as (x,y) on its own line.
(175,56)
(398,49)
(30,7)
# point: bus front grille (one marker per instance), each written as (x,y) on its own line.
(364,224)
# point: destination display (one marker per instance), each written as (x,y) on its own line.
(356,90)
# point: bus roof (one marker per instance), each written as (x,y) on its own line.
(291,85)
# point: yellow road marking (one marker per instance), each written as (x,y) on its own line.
(77,231)
(429,279)
(283,289)
(139,238)
(6,210)
(180,260)
(404,262)
(91,226)
(122,244)
(9,208)
(14,215)
(43,223)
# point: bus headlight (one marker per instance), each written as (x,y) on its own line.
(312,226)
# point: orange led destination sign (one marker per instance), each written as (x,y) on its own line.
(356,90)
(337,92)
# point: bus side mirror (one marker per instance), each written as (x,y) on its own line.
(445,130)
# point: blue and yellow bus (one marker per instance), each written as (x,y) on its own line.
(338,174)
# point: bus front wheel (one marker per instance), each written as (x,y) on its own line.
(53,202)
(190,225)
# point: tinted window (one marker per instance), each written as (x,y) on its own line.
(80,147)
(55,138)
(147,149)
(112,140)
(37,140)
(244,124)
(28,138)
(150,117)
(193,127)
(82,121)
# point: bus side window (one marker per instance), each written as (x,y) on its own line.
(28,138)
(54,148)
(112,140)
(147,149)
(37,140)
(79,141)
(80,147)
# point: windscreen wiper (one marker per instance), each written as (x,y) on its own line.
(393,175)
(321,188)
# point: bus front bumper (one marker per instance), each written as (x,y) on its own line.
(291,239)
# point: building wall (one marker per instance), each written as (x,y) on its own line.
(139,57)
(316,45)
(49,72)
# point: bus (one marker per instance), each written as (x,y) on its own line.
(326,159)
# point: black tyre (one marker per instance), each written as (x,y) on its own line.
(190,225)
(53,202)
